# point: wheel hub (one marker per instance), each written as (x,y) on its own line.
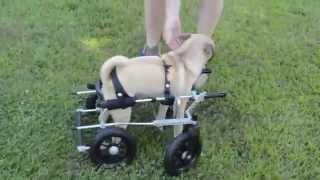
(186,155)
(113,150)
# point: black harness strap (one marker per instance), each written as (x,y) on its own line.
(118,88)
(123,99)
(166,81)
(169,99)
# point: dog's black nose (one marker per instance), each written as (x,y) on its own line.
(206,71)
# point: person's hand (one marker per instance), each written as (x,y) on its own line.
(171,32)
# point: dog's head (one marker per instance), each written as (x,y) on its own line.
(196,50)
(198,45)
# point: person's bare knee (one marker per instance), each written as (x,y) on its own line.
(154,21)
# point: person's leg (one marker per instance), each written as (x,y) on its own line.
(209,15)
(172,26)
(154,21)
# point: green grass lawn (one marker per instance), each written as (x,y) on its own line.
(268,59)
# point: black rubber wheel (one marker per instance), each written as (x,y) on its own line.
(182,153)
(91,101)
(113,146)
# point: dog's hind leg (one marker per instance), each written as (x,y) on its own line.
(103,117)
(121,116)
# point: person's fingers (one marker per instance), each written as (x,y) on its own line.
(173,42)
(173,45)
(171,34)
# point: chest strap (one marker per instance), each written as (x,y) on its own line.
(169,99)
(166,80)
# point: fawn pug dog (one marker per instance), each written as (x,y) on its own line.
(145,77)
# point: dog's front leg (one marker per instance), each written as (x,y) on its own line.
(180,106)
(162,112)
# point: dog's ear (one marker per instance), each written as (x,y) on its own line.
(183,37)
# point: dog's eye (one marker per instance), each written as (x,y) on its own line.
(208,50)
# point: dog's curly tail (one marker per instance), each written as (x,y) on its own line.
(111,63)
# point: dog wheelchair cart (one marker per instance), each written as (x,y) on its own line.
(114,146)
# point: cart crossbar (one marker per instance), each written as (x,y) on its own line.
(157,123)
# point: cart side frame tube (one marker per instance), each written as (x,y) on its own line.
(157,123)
(79,134)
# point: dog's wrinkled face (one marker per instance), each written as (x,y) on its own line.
(203,44)
(197,45)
